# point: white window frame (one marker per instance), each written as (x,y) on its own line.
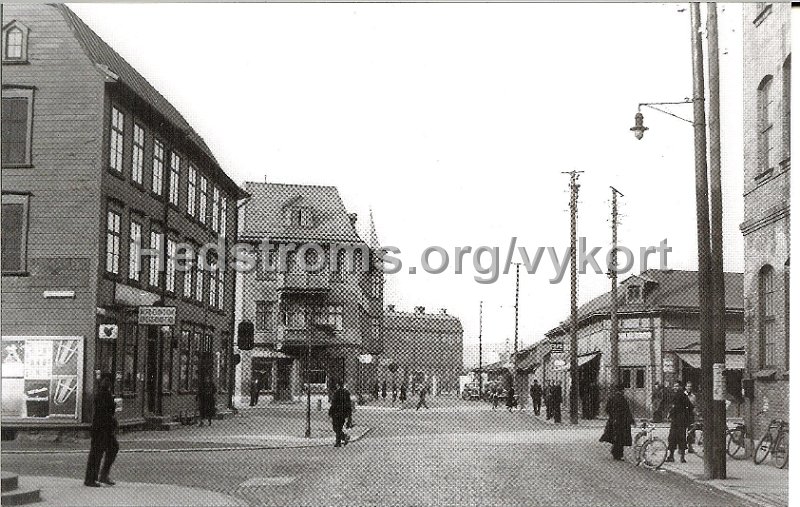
(170,264)
(157,244)
(174,178)
(214,208)
(23,30)
(137,157)
(221,290)
(26,93)
(113,236)
(223,217)
(191,199)
(135,251)
(159,151)
(202,210)
(116,140)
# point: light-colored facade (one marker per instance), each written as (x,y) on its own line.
(767,171)
(308,303)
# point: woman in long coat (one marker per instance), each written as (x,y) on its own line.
(618,426)
(207,400)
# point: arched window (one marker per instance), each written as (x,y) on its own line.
(768,140)
(786,101)
(766,317)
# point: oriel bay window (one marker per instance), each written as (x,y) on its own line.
(329,316)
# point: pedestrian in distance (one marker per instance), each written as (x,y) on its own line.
(104,446)
(680,414)
(341,408)
(394,392)
(536,397)
(618,426)
(693,399)
(423,391)
(656,399)
(510,398)
(376,390)
(207,400)
(557,399)
(548,399)
(403,393)
(255,387)
(383,390)
(495,396)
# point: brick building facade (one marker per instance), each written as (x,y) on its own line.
(767,164)
(98,166)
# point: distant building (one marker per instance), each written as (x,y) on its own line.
(424,346)
(659,339)
(767,164)
(96,167)
(324,301)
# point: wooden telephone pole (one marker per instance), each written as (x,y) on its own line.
(480,352)
(573,327)
(614,338)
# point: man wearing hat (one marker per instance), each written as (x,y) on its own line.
(104,442)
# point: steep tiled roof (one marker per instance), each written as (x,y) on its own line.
(104,55)
(265,217)
(673,289)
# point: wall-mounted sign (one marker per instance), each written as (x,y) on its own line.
(556,347)
(157,315)
(719,382)
(107,331)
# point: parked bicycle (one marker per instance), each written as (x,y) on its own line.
(695,438)
(649,450)
(738,442)
(776,442)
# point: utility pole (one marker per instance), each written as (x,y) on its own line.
(517,387)
(703,246)
(715,460)
(480,352)
(573,328)
(614,339)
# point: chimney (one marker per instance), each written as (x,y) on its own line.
(419,310)
(353,218)
(443,311)
(389,308)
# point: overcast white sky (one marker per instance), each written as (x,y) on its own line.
(454,122)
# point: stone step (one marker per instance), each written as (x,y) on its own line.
(21,496)
(9,481)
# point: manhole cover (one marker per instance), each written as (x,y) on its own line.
(266,481)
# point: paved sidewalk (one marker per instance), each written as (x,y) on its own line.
(61,491)
(252,429)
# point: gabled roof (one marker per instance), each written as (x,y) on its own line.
(671,289)
(265,217)
(104,56)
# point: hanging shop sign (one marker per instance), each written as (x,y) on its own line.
(107,331)
(157,315)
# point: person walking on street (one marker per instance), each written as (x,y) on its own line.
(403,393)
(255,386)
(536,397)
(495,396)
(510,398)
(557,399)
(618,426)
(680,414)
(548,400)
(383,390)
(394,392)
(207,400)
(423,390)
(104,444)
(656,398)
(341,408)
(693,400)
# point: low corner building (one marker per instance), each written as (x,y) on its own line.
(426,347)
(659,339)
(96,166)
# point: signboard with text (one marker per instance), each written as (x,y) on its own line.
(157,315)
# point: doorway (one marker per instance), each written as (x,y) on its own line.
(151,387)
(283,390)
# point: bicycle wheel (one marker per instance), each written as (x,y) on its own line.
(699,442)
(735,444)
(781,451)
(763,448)
(654,452)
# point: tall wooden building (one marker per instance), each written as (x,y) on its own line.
(97,167)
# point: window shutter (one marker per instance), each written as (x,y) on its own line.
(12,229)
(15,130)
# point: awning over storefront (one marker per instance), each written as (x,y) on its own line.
(732,361)
(528,365)
(584,359)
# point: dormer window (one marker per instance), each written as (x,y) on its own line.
(634,294)
(15,43)
(300,216)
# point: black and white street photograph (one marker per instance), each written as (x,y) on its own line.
(395,253)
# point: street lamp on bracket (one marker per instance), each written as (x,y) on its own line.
(639,128)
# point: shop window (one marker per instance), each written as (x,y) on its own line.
(633,378)
(166,371)
(315,373)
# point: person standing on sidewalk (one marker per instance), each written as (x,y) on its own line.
(255,386)
(341,408)
(207,400)
(394,392)
(618,426)
(423,390)
(557,399)
(104,443)
(510,398)
(656,399)
(536,397)
(383,390)
(693,399)
(680,414)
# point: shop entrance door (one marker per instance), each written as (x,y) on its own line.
(151,387)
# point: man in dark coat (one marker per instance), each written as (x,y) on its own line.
(207,400)
(548,399)
(383,390)
(594,400)
(510,398)
(255,386)
(423,390)
(403,393)
(536,397)
(618,426)
(104,443)
(341,408)
(557,399)
(680,416)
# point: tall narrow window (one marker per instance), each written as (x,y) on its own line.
(17,117)
(191,191)
(14,39)
(215,209)
(158,167)
(786,113)
(170,267)
(188,269)
(174,178)
(766,311)
(156,243)
(223,217)
(212,287)
(203,199)
(264,311)
(135,251)
(221,290)
(113,220)
(185,361)
(130,341)
(14,233)
(768,133)
(137,166)
(115,154)
(198,288)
